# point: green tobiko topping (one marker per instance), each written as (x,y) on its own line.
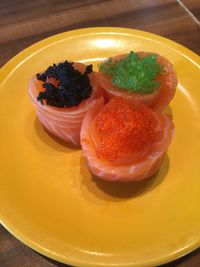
(133,73)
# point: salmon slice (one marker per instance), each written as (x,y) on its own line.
(133,167)
(159,99)
(64,123)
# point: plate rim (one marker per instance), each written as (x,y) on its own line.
(21,56)
(8,68)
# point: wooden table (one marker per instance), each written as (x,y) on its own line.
(24,22)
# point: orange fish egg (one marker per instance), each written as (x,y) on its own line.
(122,130)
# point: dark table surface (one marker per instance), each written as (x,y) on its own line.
(24,22)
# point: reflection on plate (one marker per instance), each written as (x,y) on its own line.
(51,202)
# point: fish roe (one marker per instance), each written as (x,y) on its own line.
(122,130)
(64,86)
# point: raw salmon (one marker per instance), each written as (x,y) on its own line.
(157,100)
(136,165)
(64,123)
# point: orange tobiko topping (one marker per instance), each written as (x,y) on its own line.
(122,130)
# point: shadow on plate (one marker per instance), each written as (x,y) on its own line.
(107,190)
(169,111)
(41,138)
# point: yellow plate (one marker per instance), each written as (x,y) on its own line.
(48,198)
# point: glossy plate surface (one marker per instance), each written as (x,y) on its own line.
(48,198)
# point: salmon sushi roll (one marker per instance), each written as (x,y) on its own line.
(62,95)
(125,142)
(142,76)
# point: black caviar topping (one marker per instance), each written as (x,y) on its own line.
(73,86)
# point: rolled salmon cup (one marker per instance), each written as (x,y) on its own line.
(125,142)
(62,95)
(143,77)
